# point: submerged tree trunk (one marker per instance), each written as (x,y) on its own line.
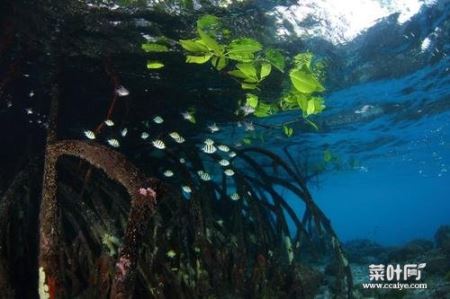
(143,192)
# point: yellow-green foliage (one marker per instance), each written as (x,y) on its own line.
(246,60)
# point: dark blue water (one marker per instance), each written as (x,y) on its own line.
(390,133)
(401,189)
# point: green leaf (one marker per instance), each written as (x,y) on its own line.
(304,81)
(319,105)
(275,57)
(311,109)
(252,100)
(154,64)
(263,110)
(302,102)
(208,21)
(198,59)
(210,42)
(303,59)
(219,62)
(244,46)
(265,70)
(237,74)
(245,85)
(153,47)
(248,69)
(288,131)
(193,45)
(251,80)
(241,56)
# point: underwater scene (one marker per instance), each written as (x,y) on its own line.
(225,149)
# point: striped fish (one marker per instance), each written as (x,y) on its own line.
(204,176)
(122,91)
(213,128)
(168,173)
(109,122)
(209,149)
(89,134)
(113,142)
(186,189)
(159,144)
(158,120)
(229,172)
(189,116)
(209,141)
(177,137)
(224,148)
(224,162)
(249,126)
(235,196)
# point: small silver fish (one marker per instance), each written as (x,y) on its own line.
(209,141)
(186,189)
(31,94)
(29,110)
(235,196)
(182,160)
(144,135)
(171,253)
(109,123)
(122,91)
(204,176)
(188,116)
(177,137)
(213,128)
(159,144)
(219,222)
(249,126)
(223,148)
(246,109)
(158,120)
(224,162)
(124,132)
(174,135)
(89,134)
(229,172)
(232,154)
(209,149)
(113,142)
(168,173)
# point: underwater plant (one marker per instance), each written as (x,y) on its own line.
(250,63)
